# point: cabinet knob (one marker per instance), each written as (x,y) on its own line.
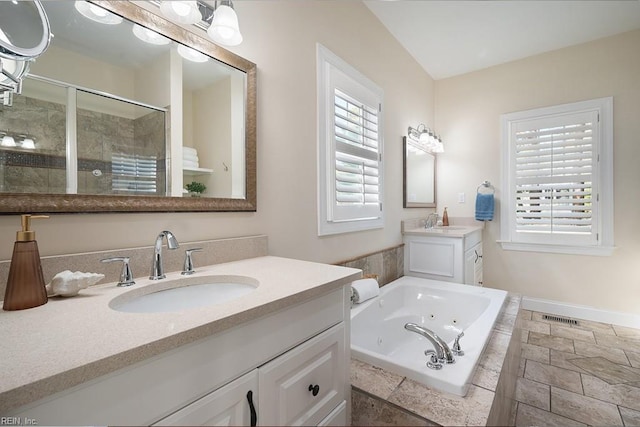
(314,389)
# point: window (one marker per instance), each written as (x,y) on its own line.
(350,174)
(558,179)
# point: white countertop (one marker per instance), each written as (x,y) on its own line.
(69,341)
(452,231)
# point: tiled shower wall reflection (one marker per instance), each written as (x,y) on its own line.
(387,265)
(99,136)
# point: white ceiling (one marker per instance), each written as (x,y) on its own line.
(449,38)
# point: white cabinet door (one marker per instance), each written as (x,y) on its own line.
(234,404)
(433,258)
(304,385)
(473,266)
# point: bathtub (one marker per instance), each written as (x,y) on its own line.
(378,336)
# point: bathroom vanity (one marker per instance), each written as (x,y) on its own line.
(275,356)
(452,254)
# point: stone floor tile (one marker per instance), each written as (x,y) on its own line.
(531,325)
(535,352)
(505,323)
(368,411)
(593,350)
(629,416)
(556,343)
(444,408)
(573,333)
(620,394)
(634,358)
(615,341)
(562,360)
(524,336)
(533,393)
(523,362)
(376,381)
(552,375)
(588,325)
(525,314)
(623,331)
(607,370)
(583,408)
(486,378)
(528,416)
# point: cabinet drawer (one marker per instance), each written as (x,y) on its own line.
(288,383)
(230,405)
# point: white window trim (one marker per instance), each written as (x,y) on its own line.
(326,62)
(605,245)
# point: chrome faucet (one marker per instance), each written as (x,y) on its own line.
(157,270)
(431,221)
(442,353)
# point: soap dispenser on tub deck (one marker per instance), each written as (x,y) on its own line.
(25,285)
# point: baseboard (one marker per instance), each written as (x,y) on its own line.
(581,312)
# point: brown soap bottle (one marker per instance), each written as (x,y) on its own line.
(25,285)
(445,218)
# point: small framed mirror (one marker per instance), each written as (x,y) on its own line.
(419,176)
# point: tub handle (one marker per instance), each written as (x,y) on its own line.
(456,346)
(433,361)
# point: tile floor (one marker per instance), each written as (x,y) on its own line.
(587,374)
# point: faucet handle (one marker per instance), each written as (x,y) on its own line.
(187,269)
(433,362)
(126,277)
(456,345)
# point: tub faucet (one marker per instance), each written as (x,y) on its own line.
(443,353)
(431,221)
(157,270)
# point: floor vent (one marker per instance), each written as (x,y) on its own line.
(560,319)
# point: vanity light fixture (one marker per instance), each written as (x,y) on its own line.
(220,22)
(97,13)
(27,142)
(191,54)
(8,141)
(426,138)
(149,36)
(182,12)
(224,28)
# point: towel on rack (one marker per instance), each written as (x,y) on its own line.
(484,207)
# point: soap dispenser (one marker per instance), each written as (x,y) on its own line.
(25,285)
(445,218)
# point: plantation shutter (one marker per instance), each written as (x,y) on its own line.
(134,173)
(554,178)
(356,178)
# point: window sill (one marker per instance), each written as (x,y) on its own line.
(558,249)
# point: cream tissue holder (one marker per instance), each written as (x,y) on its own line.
(364,289)
(68,284)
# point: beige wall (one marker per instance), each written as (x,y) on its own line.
(468,108)
(280,37)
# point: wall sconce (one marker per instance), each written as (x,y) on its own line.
(221,22)
(426,138)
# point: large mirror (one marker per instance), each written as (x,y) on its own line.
(116,118)
(419,176)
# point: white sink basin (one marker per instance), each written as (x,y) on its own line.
(184,294)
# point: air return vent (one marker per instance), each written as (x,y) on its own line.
(560,319)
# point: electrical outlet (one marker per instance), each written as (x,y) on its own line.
(460,197)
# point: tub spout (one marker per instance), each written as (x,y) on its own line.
(443,352)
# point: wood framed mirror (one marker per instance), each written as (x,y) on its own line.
(419,180)
(171,173)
